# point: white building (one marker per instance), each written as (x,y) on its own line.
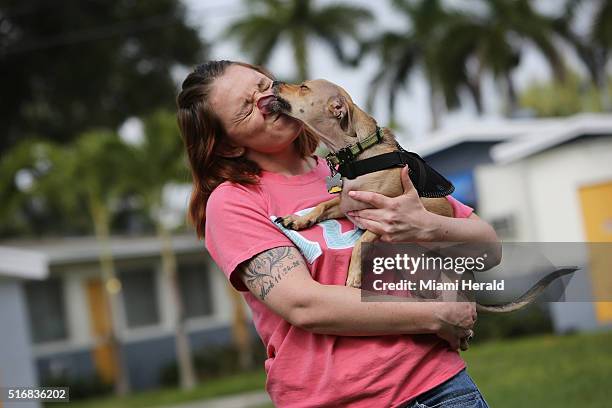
(540,180)
(69,316)
(16,356)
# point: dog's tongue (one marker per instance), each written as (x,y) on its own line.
(264,104)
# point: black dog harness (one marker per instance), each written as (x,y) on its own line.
(427,181)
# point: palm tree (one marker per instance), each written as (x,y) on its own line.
(84,176)
(296,21)
(13,196)
(494,39)
(401,53)
(157,162)
(594,46)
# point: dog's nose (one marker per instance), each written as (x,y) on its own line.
(276,85)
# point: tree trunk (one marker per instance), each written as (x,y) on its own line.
(434,106)
(240,330)
(300,52)
(604,90)
(187,378)
(100,217)
(511,98)
(474,88)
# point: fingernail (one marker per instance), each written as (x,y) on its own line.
(351,213)
(352,193)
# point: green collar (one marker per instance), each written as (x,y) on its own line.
(349,152)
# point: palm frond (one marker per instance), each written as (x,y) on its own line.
(257,36)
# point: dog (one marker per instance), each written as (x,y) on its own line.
(328,111)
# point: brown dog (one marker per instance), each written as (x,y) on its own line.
(328,111)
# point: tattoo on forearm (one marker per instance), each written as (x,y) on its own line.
(268,268)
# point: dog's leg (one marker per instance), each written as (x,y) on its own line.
(354,272)
(325,211)
(439,206)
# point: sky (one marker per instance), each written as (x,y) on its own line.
(412,112)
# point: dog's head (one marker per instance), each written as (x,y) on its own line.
(325,108)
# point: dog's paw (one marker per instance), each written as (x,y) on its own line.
(354,281)
(295,222)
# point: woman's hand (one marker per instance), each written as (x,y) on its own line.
(405,219)
(398,219)
(455,322)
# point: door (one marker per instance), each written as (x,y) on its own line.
(597,215)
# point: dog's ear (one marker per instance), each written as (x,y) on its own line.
(339,108)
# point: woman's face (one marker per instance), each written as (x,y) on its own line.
(234,98)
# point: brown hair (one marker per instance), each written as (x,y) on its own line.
(203,134)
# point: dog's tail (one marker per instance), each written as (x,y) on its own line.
(529,296)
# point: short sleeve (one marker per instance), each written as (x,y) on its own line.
(238,228)
(460,210)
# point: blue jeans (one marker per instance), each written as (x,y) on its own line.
(458,391)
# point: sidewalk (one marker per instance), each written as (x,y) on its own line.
(247,400)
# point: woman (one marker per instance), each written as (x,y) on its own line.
(325,347)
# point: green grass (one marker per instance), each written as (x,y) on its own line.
(545,371)
(169,396)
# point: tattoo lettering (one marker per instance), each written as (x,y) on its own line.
(268,268)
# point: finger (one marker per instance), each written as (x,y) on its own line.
(370,225)
(370,214)
(374,199)
(406,182)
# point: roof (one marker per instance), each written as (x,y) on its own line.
(542,137)
(517,138)
(480,131)
(78,249)
(24,264)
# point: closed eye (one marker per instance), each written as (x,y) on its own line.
(264,84)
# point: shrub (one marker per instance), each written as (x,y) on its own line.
(215,361)
(80,388)
(533,319)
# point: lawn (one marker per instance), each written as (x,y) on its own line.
(209,389)
(546,371)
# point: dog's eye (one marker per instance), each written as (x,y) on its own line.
(303,87)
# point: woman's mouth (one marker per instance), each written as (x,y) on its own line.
(272,104)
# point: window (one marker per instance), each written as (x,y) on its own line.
(139,297)
(45,301)
(195,290)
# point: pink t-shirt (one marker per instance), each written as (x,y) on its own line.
(306,369)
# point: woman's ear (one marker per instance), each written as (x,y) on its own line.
(231,152)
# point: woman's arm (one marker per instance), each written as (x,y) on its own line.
(281,279)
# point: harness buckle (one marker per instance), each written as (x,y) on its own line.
(345,154)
